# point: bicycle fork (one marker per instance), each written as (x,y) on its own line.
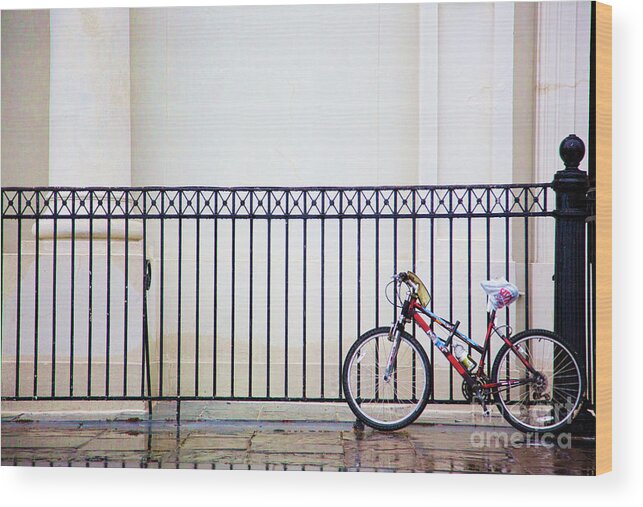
(390,363)
(395,335)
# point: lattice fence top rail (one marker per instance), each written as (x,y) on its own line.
(280,202)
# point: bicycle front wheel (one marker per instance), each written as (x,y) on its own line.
(544,401)
(386,404)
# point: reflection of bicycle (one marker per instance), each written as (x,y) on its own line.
(536,381)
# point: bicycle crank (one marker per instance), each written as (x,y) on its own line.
(477,393)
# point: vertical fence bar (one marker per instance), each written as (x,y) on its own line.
(432,283)
(126,291)
(305,266)
(36,298)
(414,269)
(451,285)
(507,315)
(197,293)
(162,295)
(507,192)
(18,292)
(321,298)
(377,292)
(250,306)
(55,197)
(215,261)
(377,261)
(90,293)
(488,260)
(395,213)
(340,317)
(395,247)
(488,235)
(526,269)
(146,285)
(268,293)
(72,296)
(359,284)
(359,279)
(286,263)
(469,274)
(179,304)
(109,292)
(232,295)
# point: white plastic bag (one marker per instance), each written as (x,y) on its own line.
(500,293)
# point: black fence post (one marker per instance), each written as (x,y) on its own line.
(571,186)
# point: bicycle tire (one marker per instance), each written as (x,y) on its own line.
(354,403)
(570,353)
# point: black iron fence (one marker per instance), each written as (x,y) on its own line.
(192,293)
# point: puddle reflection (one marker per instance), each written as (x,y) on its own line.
(285,447)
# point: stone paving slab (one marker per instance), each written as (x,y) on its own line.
(310,443)
(33,442)
(220,442)
(273,445)
(125,443)
(226,457)
(225,411)
(280,459)
(37,454)
(72,415)
(35,431)
(288,412)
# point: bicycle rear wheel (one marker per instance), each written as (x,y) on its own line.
(386,404)
(544,402)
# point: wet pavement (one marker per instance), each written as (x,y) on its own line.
(296,445)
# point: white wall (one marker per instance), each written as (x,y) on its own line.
(25,97)
(312,95)
(89,112)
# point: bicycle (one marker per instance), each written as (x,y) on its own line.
(536,381)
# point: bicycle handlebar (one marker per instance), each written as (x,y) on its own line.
(402,276)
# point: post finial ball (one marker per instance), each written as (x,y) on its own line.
(572,151)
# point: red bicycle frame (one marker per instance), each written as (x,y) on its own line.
(413,310)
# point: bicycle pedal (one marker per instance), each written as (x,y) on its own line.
(486,413)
